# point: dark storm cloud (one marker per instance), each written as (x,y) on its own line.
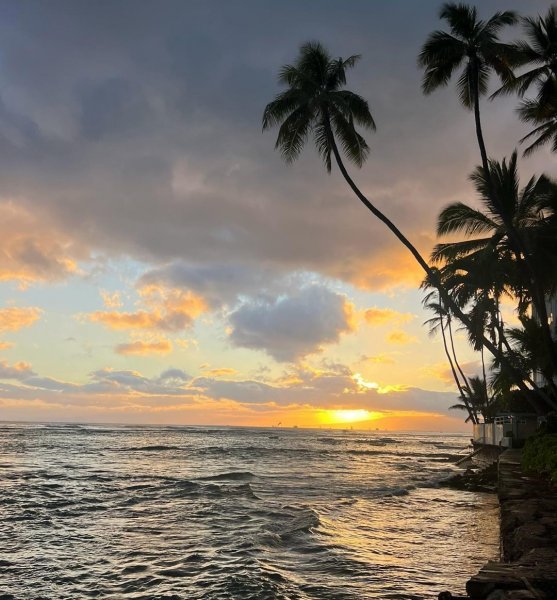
(135,126)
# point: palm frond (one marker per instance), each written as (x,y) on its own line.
(459,217)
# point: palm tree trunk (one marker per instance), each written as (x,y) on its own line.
(486,395)
(479,132)
(471,412)
(455,359)
(453,349)
(427,269)
(521,251)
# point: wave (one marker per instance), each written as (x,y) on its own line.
(305,521)
(232,476)
(154,448)
(213,490)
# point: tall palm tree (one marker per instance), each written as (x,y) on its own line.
(473,45)
(439,323)
(488,261)
(538,51)
(316,104)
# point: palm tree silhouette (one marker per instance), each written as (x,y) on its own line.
(538,51)
(486,267)
(474,45)
(315,104)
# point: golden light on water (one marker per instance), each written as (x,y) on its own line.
(340,416)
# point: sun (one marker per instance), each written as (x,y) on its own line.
(336,417)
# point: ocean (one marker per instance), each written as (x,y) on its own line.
(156,512)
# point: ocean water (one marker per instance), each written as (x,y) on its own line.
(89,511)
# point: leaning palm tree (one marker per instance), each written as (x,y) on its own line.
(473,45)
(316,104)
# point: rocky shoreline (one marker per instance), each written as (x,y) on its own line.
(528,566)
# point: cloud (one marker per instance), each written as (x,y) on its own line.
(111,300)
(384,316)
(291,327)
(168,310)
(20,370)
(14,318)
(131,395)
(143,348)
(173,376)
(217,283)
(220,372)
(124,162)
(378,359)
(442,371)
(400,337)
(5,345)
(32,248)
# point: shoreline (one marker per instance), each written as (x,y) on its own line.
(527,568)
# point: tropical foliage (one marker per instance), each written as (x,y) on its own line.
(497,252)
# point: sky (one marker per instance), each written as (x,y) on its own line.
(160,263)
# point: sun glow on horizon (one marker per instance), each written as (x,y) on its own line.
(340,416)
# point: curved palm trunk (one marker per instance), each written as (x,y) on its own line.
(485,392)
(453,349)
(457,364)
(473,416)
(423,264)
(521,251)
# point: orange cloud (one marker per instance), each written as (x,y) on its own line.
(166,310)
(5,345)
(384,359)
(393,267)
(400,337)
(442,371)
(34,249)
(382,316)
(220,372)
(19,370)
(14,318)
(141,348)
(111,300)
(126,320)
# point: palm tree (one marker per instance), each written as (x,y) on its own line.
(316,104)
(539,51)
(477,398)
(487,266)
(544,117)
(439,323)
(474,46)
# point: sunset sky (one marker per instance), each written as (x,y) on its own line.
(159,263)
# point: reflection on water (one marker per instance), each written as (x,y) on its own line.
(168,512)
